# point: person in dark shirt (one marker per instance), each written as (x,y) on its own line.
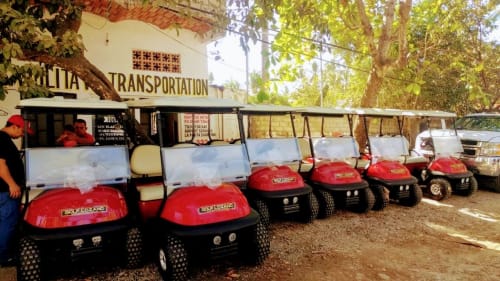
(12,180)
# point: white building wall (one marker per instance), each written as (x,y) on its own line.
(110,45)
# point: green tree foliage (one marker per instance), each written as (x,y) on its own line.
(452,64)
(397,53)
(41,34)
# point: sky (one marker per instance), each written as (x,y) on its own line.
(231,64)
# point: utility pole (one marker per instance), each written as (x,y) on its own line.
(321,74)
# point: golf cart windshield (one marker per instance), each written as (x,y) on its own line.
(204,165)
(273,151)
(447,145)
(388,147)
(82,167)
(335,148)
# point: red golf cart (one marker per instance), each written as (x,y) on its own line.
(388,178)
(188,194)
(443,171)
(75,205)
(275,187)
(330,154)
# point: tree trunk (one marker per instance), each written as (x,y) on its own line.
(368,100)
(84,69)
(93,78)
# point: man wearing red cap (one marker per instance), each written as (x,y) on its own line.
(12,179)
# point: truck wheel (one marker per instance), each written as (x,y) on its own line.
(439,189)
(29,266)
(492,183)
(134,248)
(173,259)
(415,196)
(366,201)
(309,208)
(473,186)
(496,184)
(261,207)
(326,204)
(381,199)
(257,246)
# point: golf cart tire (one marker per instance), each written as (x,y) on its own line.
(309,208)
(261,207)
(381,200)
(173,259)
(134,248)
(414,198)
(257,248)
(366,201)
(439,189)
(29,266)
(473,186)
(326,204)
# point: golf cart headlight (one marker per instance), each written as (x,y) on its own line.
(217,240)
(407,187)
(286,201)
(96,240)
(356,192)
(490,149)
(348,193)
(295,200)
(78,243)
(462,180)
(232,237)
(401,188)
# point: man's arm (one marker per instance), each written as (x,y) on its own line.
(14,189)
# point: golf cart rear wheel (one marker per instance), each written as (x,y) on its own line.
(29,266)
(326,204)
(381,198)
(366,201)
(261,207)
(134,248)
(173,259)
(256,249)
(414,198)
(439,189)
(309,208)
(473,186)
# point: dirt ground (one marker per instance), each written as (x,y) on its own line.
(456,239)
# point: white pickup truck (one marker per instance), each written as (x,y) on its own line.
(480,136)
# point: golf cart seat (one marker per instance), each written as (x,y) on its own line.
(305,151)
(184,144)
(145,162)
(414,159)
(218,142)
(33,193)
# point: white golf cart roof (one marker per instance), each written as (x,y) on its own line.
(59,102)
(324,111)
(429,113)
(382,112)
(266,109)
(185,102)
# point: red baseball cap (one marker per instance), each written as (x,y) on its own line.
(18,120)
